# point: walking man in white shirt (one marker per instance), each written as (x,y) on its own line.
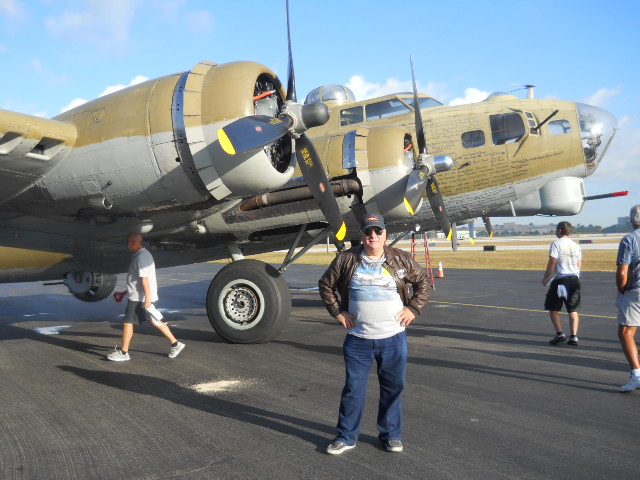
(565,262)
(142,291)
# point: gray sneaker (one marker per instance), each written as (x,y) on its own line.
(338,447)
(632,384)
(175,351)
(118,356)
(393,446)
(558,339)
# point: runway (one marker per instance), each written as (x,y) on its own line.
(487,397)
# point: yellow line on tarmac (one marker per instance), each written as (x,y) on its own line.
(512,308)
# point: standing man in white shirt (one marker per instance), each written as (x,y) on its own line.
(142,291)
(565,262)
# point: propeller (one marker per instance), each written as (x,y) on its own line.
(422,177)
(256,131)
(453,236)
(487,225)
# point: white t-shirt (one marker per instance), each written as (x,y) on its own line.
(141,265)
(374,301)
(568,254)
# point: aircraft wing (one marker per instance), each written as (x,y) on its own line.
(29,148)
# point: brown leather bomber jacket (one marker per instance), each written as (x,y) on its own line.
(405,270)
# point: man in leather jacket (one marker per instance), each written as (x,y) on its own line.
(366,289)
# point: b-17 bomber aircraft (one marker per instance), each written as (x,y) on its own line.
(222,161)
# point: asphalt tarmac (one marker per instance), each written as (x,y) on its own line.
(487,396)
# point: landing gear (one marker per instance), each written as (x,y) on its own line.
(248,302)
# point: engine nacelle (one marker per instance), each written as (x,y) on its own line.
(90,286)
(154,145)
(228,92)
(382,164)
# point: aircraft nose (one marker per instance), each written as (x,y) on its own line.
(597,128)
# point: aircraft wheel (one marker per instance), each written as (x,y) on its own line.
(248,302)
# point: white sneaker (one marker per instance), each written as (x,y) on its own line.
(338,447)
(175,351)
(118,356)
(632,384)
(393,446)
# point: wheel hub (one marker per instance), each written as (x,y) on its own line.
(241,305)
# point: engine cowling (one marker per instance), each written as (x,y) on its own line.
(90,286)
(228,92)
(381,164)
(154,145)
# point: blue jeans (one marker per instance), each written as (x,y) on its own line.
(390,355)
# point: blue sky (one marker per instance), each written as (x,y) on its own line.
(55,53)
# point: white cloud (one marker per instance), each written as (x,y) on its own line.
(79,101)
(11,8)
(363,89)
(471,95)
(102,22)
(37,65)
(602,97)
(74,103)
(199,20)
(115,88)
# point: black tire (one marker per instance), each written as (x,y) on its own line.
(248,301)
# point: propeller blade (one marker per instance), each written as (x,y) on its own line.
(416,184)
(437,205)
(487,225)
(422,177)
(453,236)
(250,133)
(291,84)
(472,231)
(417,181)
(318,183)
(422,140)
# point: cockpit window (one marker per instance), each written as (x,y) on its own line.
(506,128)
(425,102)
(386,108)
(597,128)
(559,127)
(330,93)
(351,115)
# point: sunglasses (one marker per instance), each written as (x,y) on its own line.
(367,231)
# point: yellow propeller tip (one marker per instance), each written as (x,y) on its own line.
(408,207)
(342,232)
(225,143)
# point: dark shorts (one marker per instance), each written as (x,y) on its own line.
(135,312)
(554,303)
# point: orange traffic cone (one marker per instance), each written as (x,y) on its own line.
(440,271)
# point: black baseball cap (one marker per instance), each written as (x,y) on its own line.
(372,220)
